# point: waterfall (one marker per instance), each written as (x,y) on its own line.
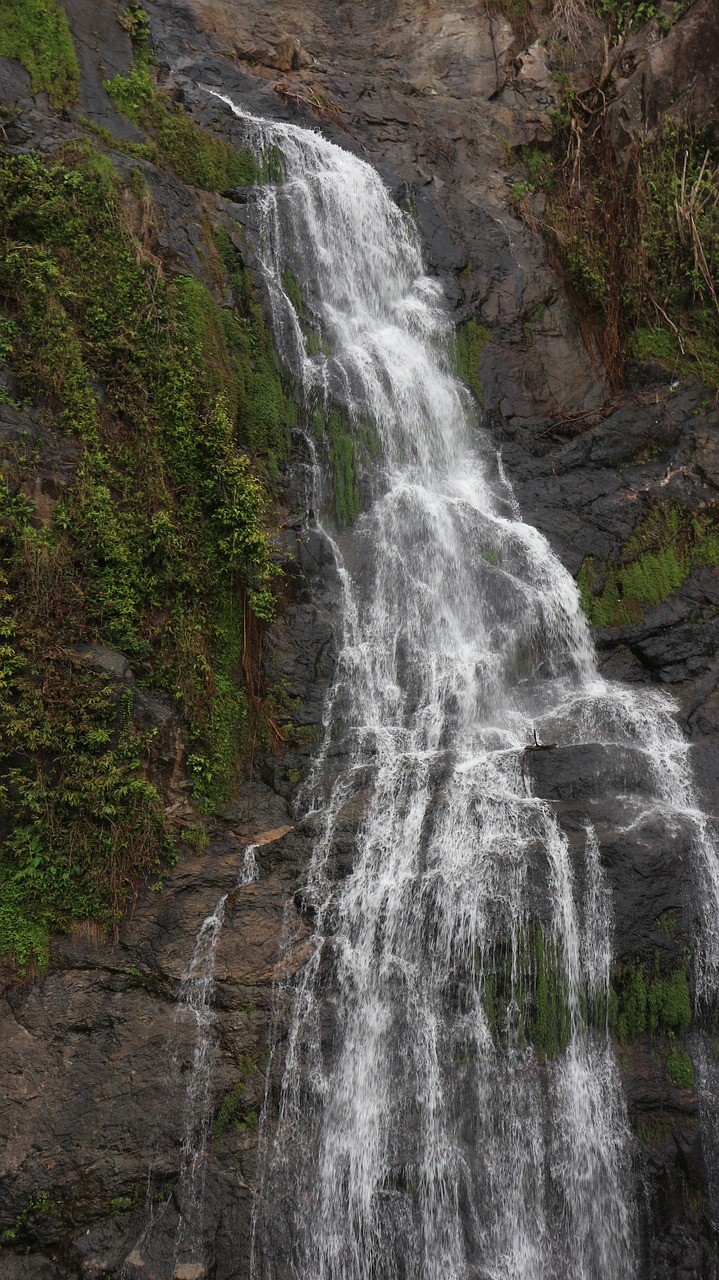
(451,1105)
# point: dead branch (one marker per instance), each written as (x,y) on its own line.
(312,101)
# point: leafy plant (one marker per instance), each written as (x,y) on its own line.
(160,547)
(652,565)
(36,34)
(196,156)
(679,1066)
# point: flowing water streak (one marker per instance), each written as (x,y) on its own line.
(194,1020)
(439,1145)
(195,1007)
(193,1023)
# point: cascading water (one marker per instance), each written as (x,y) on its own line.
(450,1106)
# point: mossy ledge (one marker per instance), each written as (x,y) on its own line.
(160,547)
(652,565)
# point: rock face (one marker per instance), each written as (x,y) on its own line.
(90,1088)
(589,493)
(677,76)
(432,95)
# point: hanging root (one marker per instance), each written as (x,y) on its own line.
(571,18)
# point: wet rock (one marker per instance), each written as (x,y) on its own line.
(106,661)
(585,771)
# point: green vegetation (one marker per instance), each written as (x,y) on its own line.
(654,563)
(669,1009)
(667,922)
(40,1204)
(232,1113)
(197,157)
(539,168)
(159,548)
(291,286)
(465,350)
(628,1005)
(332,427)
(138,150)
(653,1129)
(525,996)
(662,1006)
(196,838)
(680,1069)
(640,247)
(125,1204)
(342,461)
(36,34)
(624,16)
(136,22)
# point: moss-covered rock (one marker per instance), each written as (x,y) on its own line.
(36,34)
(160,546)
(651,566)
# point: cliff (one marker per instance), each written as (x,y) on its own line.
(170,614)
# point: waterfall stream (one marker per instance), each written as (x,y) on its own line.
(451,1106)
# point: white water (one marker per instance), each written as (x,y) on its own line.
(419,1135)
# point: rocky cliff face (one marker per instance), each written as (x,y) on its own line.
(437,97)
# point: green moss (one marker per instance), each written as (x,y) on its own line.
(524,993)
(291,286)
(158,548)
(465,350)
(36,34)
(679,1067)
(270,169)
(334,427)
(653,1129)
(653,564)
(669,1005)
(196,156)
(628,1013)
(662,1006)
